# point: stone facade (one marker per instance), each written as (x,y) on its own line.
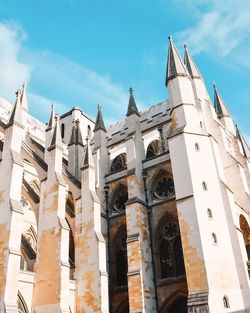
(149,215)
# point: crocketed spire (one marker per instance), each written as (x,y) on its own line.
(132,107)
(190,64)
(99,124)
(52,118)
(175,65)
(244,145)
(219,104)
(56,139)
(16,115)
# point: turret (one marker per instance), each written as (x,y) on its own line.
(181,95)
(222,111)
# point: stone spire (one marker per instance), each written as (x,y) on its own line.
(56,139)
(51,123)
(219,105)
(24,100)
(88,158)
(175,65)
(190,64)
(99,124)
(244,145)
(16,115)
(76,136)
(132,107)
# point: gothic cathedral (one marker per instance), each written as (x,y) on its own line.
(148,215)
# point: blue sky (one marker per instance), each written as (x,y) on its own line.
(81,53)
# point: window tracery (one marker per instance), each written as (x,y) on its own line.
(119,163)
(153,149)
(119,199)
(171,262)
(164,187)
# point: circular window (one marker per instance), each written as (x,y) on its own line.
(120,198)
(164,188)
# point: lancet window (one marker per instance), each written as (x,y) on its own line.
(170,254)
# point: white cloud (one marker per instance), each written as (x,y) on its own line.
(220,27)
(58,78)
(13,72)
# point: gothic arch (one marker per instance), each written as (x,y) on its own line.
(168,248)
(22,307)
(119,163)
(244,226)
(71,253)
(176,303)
(153,149)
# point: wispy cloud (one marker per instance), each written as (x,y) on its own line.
(13,71)
(60,79)
(220,26)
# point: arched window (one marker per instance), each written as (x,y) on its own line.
(244,226)
(71,252)
(204,186)
(62,130)
(226,302)
(21,305)
(153,149)
(214,238)
(120,262)
(169,249)
(119,163)
(197,147)
(28,250)
(119,199)
(163,187)
(209,213)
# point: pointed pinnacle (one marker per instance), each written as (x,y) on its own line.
(24,100)
(99,124)
(16,115)
(132,107)
(56,139)
(175,65)
(219,105)
(88,158)
(51,123)
(190,64)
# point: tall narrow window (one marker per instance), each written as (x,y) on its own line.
(209,213)
(204,186)
(62,130)
(169,245)
(214,238)
(167,260)
(226,302)
(120,266)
